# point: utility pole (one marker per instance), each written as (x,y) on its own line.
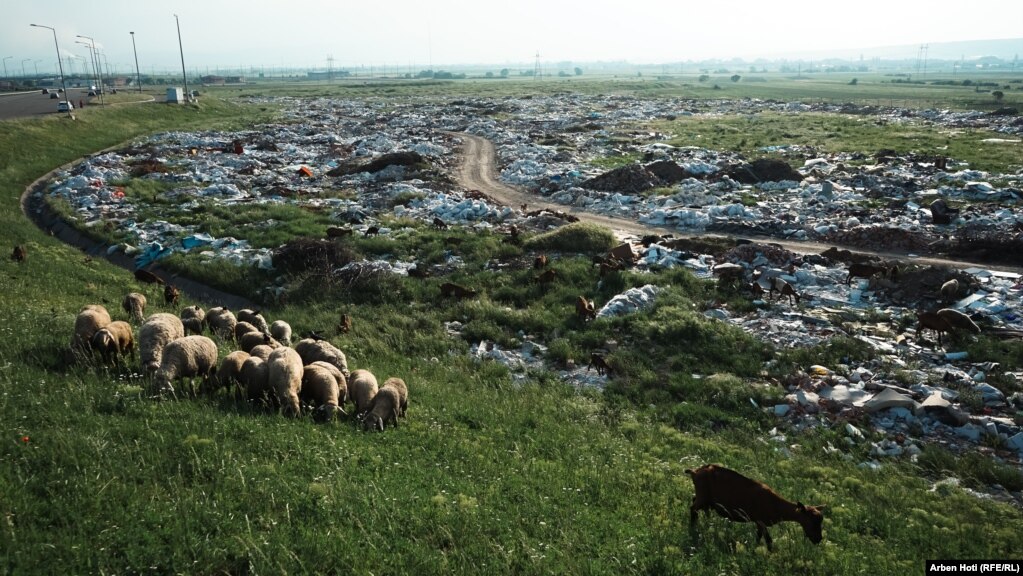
(138,75)
(184,75)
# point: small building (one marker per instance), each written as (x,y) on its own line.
(175,95)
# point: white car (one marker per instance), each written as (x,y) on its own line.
(65,106)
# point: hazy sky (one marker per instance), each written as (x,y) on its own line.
(416,33)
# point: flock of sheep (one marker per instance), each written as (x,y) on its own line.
(266,368)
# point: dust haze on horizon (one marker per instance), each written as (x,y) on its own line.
(413,35)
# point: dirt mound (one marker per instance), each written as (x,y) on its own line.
(631,179)
(313,254)
(667,171)
(750,253)
(883,239)
(379,163)
(919,287)
(763,170)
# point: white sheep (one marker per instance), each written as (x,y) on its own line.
(281,331)
(254,317)
(91,318)
(156,332)
(135,305)
(362,387)
(242,328)
(113,340)
(958,320)
(192,318)
(312,350)
(342,382)
(231,368)
(384,408)
(399,385)
(254,377)
(186,357)
(221,322)
(262,352)
(284,374)
(949,290)
(320,389)
(253,339)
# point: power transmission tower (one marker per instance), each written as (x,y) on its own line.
(536,66)
(330,67)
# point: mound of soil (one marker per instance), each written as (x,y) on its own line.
(379,163)
(667,172)
(763,170)
(631,179)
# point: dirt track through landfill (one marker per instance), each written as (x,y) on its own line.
(478,171)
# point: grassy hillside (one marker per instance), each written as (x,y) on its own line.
(484,476)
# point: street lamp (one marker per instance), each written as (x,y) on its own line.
(99,71)
(184,75)
(92,60)
(6,58)
(59,64)
(23,73)
(36,64)
(138,76)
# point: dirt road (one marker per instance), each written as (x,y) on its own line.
(479,172)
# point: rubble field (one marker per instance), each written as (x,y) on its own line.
(360,166)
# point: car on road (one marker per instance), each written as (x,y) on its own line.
(45,91)
(54,96)
(65,106)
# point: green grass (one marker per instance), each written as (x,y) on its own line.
(483,476)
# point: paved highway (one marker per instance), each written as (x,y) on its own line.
(35,103)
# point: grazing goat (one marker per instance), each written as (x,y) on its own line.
(600,363)
(546,278)
(337,232)
(449,289)
(540,262)
(439,224)
(147,277)
(949,290)
(728,273)
(864,270)
(171,294)
(756,289)
(933,321)
(585,309)
(420,271)
(19,254)
(784,288)
(371,231)
(741,499)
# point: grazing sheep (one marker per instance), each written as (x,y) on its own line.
(728,272)
(147,277)
(958,320)
(242,328)
(254,377)
(865,270)
(192,318)
(383,408)
(281,331)
(135,305)
(933,321)
(949,290)
(284,375)
(585,309)
(171,295)
(186,357)
(540,262)
(19,254)
(741,499)
(91,318)
(221,322)
(156,332)
(312,350)
(113,340)
(231,368)
(253,339)
(399,385)
(784,288)
(460,292)
(254,317)
(362,387)
(262,351)
(320,389)
(342,382)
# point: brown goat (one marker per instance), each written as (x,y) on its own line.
(449,289)
(19,254)
(585,309)
(600,363)
(147,277)
(546,278)
(345,325)
(337,232)
(171,294)
(420,271)
(439,224)
(371,231)
(756,289)
(864,270)
(784,288)
(741,499)
(540,262)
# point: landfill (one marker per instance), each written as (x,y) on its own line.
(914,391)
